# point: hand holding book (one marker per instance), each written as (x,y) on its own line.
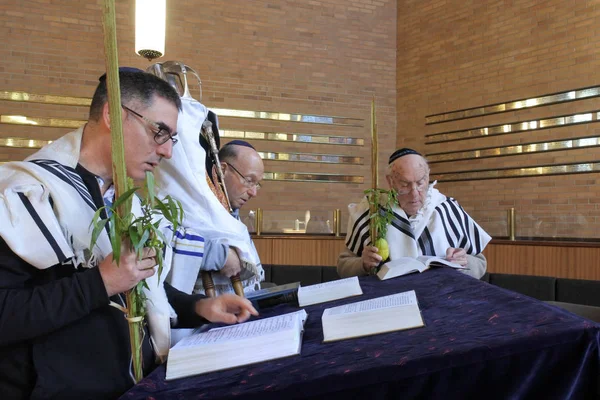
(457,256)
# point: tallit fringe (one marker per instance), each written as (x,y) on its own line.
(82,256)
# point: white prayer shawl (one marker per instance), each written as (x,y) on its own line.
(439,224)
(184,178)
(61,231)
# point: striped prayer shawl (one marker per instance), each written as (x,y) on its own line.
(440,224)
(46,211)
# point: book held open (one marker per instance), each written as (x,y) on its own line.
(237,345)
(408,265)
(328,291)
(383,314)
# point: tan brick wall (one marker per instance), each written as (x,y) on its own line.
(326,57)
(454,55)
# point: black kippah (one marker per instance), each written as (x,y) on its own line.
(122,69)
(401,153)
(238,142)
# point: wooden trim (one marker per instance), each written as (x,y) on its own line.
(576,260)
(546,242)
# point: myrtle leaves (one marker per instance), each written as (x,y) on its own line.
(381,201)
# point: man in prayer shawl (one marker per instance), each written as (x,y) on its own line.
(213,240)
(63,334)
(426,223)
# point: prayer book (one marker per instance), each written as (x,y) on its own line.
(272,296)
(370,317)
(236,345)
(328,291)
(408,265)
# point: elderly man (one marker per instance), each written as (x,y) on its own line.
(243,170)
(61,338)
(426,223)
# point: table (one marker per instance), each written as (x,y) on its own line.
(480,341)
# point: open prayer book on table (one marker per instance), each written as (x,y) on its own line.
(236,345)
(408,265)
(369,317)
(328,291)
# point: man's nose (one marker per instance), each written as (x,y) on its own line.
(165,150)
(253,191)
(414,191)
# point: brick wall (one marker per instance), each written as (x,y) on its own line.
(327,57)
(454,55)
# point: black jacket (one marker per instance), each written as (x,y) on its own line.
(59,338)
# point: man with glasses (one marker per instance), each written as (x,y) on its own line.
(243,171)
(235,156)
(64,333)
(425,223)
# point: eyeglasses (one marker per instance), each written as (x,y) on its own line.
(249,183)
(161,133)
(406,187)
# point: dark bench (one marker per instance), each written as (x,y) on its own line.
(578,296)
(305,274)
(576,291)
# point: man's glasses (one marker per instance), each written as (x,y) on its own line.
(406,188)
(249,183)
(161,133)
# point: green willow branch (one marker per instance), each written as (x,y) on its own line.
(138,232)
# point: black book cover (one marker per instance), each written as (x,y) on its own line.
(271,296)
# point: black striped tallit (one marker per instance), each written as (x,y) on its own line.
(69,176)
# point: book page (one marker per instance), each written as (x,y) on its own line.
(400,266)
(328,291)
(394,300)
(331,285)
(427,260)
(245,330)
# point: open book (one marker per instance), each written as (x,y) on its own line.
(383,314)
(328,291)
(236,345)
(408,265)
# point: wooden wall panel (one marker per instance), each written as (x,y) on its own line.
(264,247)
(305,251)
(558,261)
(523,258)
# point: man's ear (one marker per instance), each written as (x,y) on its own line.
(106,115)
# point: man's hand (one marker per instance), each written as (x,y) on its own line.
(130,271)
(227,308)
(458,256)
(370,258)
(233,265)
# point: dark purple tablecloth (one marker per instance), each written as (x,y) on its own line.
(479,342)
